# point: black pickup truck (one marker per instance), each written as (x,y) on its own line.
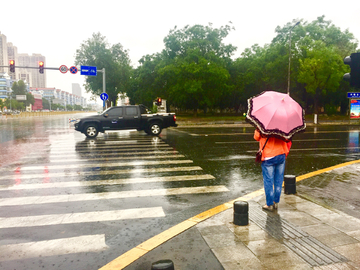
(125,117)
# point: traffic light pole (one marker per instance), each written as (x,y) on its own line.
(53,68)
(32,67)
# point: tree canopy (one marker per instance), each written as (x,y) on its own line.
(198,70)
(97,52)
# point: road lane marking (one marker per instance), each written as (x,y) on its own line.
(85,217)
(123,154)
(47,155)
(93,150)
(108,182)
(85,243)
(117,164)
(113,158)
(95,173)
(308,175)
(115,146)
(109,195)
(133,254)
(123,147)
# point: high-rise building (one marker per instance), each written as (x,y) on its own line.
(76,89)
(4,60)
(12,55)
(32,76)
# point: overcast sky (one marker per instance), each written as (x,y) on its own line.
(57,29)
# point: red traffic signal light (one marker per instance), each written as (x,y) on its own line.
(158,101)
(41,67)
(12,65)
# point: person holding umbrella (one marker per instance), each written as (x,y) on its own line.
(274,153)
(277,117)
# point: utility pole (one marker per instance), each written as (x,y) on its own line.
(288,88)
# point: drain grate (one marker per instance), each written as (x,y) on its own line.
(307,247)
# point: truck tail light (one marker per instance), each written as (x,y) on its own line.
(174,118)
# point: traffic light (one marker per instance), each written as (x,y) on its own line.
(41,67)
(158,101)
(12,65)
(354,76)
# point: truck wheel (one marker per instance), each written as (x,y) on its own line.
(154,129)
(91,131)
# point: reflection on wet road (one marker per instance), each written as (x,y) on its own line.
(81,196)
(80,203)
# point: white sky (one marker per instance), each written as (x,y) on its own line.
(57,29)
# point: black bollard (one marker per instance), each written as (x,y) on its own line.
(290,184)
(163,265)
(241,213)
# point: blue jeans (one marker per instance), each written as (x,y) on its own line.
(273,174)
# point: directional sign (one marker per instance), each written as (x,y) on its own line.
(104,96)
(88,70)
(73,70)
(353,95)
(63,69)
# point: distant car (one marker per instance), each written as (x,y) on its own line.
(125,117)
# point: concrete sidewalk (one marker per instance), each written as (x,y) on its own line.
(299,235)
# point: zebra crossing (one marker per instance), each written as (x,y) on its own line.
(75,185)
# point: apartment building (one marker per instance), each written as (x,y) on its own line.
(4,60)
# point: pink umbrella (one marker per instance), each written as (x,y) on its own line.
(275,113)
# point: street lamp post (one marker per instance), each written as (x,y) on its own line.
(288,88)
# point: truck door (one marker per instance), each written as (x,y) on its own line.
(114,119)
(132,117)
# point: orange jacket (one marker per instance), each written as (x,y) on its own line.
(274,146)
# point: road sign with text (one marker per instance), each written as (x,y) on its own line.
(88,70)
(353,95)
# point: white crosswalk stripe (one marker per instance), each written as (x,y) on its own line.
(108,182)
(71,218)
(117,164)
(33,200)
(22,176)
(84,243)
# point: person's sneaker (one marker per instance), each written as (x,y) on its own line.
(267,208)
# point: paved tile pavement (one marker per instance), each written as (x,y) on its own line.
(257,247)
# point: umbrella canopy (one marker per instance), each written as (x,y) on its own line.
(275,113)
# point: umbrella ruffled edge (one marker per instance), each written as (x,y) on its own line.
(272,132)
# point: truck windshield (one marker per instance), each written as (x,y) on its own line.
(106,111)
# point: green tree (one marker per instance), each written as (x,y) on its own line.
(195,72)
(145,81)
(45,104)
(321,71)
(19,88)
(29,99)
(97,52)
(15,105)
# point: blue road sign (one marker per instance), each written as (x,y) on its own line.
(73,70)
(104,96)
(88,70)
(353,95)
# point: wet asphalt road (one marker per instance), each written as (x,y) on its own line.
(72,203)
